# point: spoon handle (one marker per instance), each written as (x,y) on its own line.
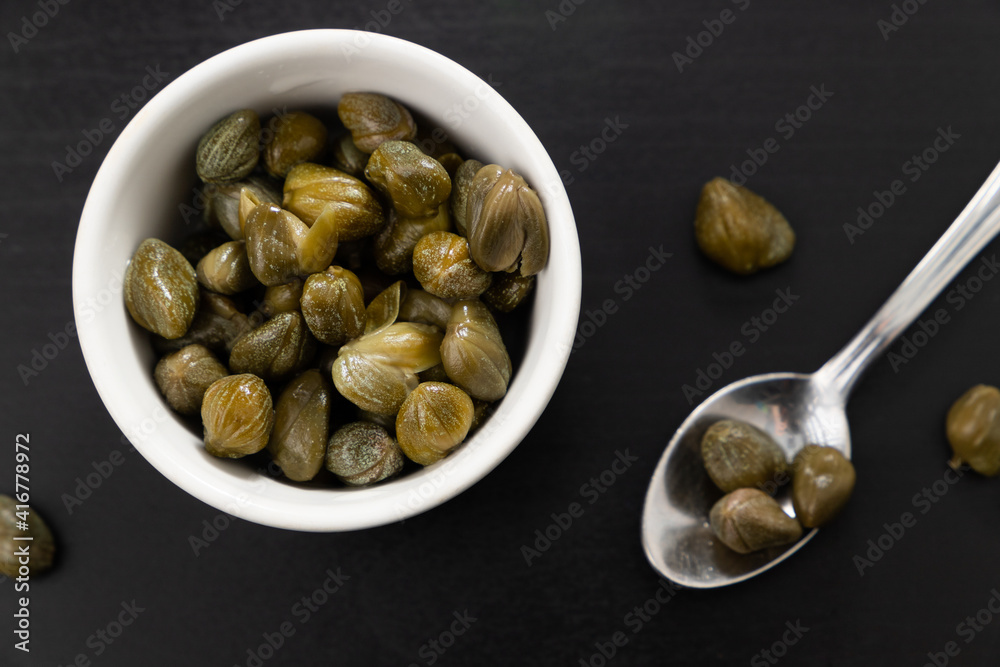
(975,226)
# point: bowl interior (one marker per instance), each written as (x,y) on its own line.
(147,179)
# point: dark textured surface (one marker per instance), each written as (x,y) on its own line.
(607,62)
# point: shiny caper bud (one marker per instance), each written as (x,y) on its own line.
(384,308)
(161,289)
(378,370)
(275,350)
(313,191)
(507,291)
(301,426)
(230,149)
(282,298)
(973,430)
(198,245)
(459,201)
(822,483)
(298,137)
(506,222)
(184,376)
(333,305)
(237,415)
(740,230)
(395,243)
(347,157)
(419,306)
(473,353)
(280,247)
(442,265)
(433,420)
(217,325)
(226,269)
(415,183)
(222,202)
(363,453)
(372,119)
(737,454)
(23,529)
(748,520)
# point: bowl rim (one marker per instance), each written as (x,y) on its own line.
(380,504)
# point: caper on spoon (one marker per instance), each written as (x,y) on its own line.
(795,409)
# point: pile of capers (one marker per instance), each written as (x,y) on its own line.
(335,265)
(747,465)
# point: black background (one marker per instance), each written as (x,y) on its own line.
(622,389)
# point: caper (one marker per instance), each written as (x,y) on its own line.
(822,483)
(222,202)
(282,298)
(451,161)
(333,305)
(434,419)
(388,422)
(198,245)
(230,149)
(737,454)
(313,191)
(217,325)
(395,243)
(32,536)
(473,352)
(301,426)
(275,350)
(226,269)
(347,157)
(280,247)
(747,520)
(740,230)
(184,376)
(372,119)
(298,137)
(507,291)
(419,306)
(459,201)
(415,182)
(161,289)
(506,223)
(442,265)
(237,415)
(973,430)
(384,308)
(362,453)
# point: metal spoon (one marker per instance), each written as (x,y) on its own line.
(796,409)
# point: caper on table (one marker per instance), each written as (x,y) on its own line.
(973,430)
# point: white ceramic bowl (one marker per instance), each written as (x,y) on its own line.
(147,175)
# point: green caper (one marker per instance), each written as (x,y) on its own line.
(184,376)
(222,202)
(347,157)
(388,422)
(419,306)
(507,291)
(312,191)
(198,245)
(473,352)
(973,430)
(280,247)
(230,149)
(36,538)
(275,350)
(506,223)
(822,483)
(301,426)
(740,230)
(283,298)
(226,269)
(363,453)
(237,415)
(298,137)
(433,420)
(748,520)
(217,325)
(442,265)
(395,243)
(415,182)
(333,305)
(451,161)
(161,289)
(384,308)
(737,454)
(372,119)
(459,201)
